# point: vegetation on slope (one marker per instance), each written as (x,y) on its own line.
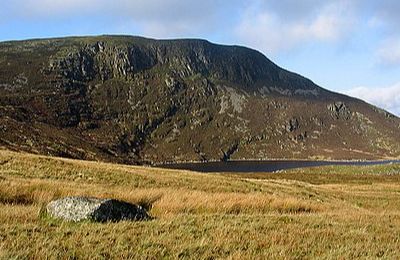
(327,212)
(136,100)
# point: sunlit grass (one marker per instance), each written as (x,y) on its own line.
(329,212)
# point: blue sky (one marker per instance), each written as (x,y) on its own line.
(349,46)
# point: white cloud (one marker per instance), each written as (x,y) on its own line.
(384,97)
(386,12)
(388,53)
(55,8)
(272,28)
(157,18)
(385,20)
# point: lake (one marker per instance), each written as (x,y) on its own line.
(264,166)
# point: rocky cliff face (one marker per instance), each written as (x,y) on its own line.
(137,100)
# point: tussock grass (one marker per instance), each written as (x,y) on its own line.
(291,215)
(160,201)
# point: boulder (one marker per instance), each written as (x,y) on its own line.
(95,209)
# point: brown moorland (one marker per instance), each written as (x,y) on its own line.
(327,212)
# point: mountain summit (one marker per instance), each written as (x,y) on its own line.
(137,100)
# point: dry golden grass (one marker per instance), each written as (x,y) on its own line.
(291,215)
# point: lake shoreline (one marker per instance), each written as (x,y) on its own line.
(273,165)
(272,160)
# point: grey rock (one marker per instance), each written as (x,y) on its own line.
(339,110)
(95,209)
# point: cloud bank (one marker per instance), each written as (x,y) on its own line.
(384,97)
(274,26)
(154,18)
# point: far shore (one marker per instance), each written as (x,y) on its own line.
(388,160)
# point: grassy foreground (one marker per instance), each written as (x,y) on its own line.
(326,213)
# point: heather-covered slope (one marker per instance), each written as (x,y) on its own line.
(131,99)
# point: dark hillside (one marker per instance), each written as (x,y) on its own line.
(135,100)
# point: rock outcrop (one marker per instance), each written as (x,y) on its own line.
(94,209)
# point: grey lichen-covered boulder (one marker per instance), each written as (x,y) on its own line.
(99,210)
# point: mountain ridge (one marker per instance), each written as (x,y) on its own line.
(139,100)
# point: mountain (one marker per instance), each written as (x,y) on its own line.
(137,100)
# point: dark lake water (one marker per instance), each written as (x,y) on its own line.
(264,166)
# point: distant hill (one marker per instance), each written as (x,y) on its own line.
(137,100)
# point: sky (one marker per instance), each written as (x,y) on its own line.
(348,46)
